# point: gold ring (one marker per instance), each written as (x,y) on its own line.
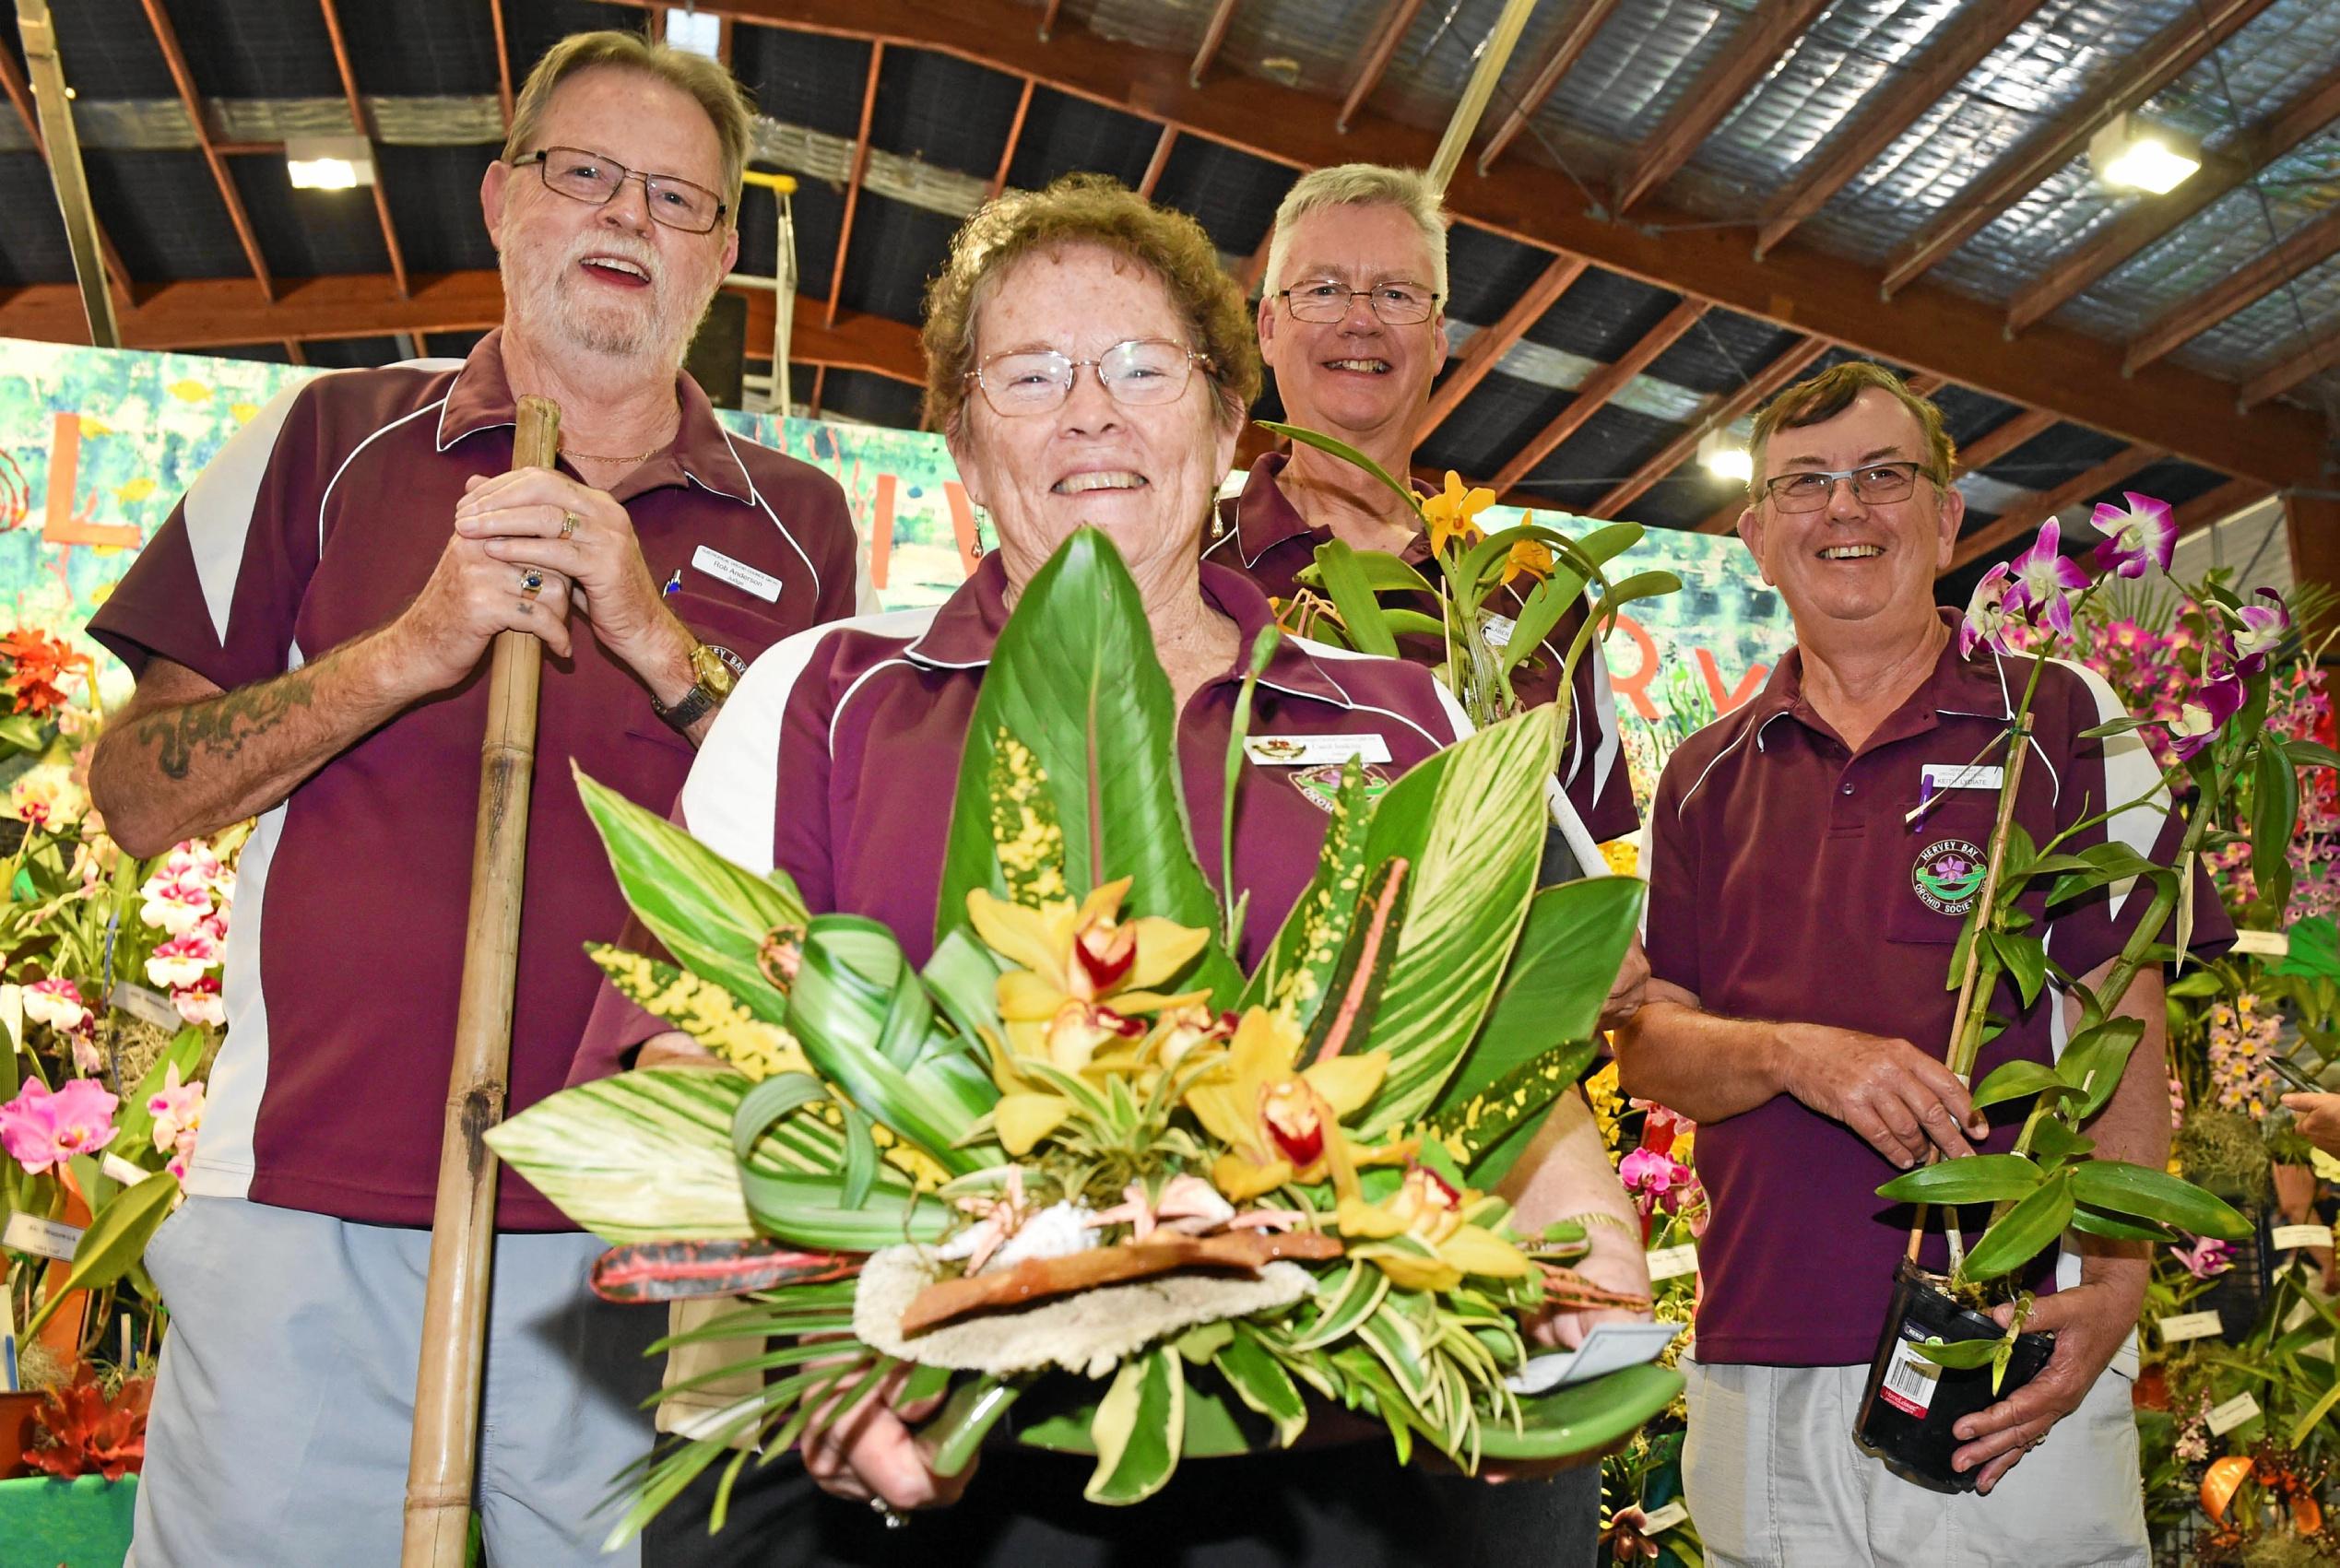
(569,521)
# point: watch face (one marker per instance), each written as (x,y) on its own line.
(717,669)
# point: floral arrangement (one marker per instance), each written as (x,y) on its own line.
(1080,1149)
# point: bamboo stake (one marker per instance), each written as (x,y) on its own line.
(455,1312)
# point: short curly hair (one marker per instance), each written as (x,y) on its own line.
(1086,209)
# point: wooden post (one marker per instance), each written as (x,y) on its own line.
(454,1309)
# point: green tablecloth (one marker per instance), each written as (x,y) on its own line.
(75,1523)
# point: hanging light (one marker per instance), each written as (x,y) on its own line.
(1722,453)
(700,32)
(2130,154)
(329,163)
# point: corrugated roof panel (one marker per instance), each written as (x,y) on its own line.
(803,78)
(820,211)
(896,247)
(434,203)
(32,243)
(1605,451)
(256,48)
(1232,194)
(1722,352)
(1063,133)
(425,48)
(309,233)
(943,110)
(1501,412)
(1602,316)
(2171,479)
(1486,272)
(165,214)
(529,30)
(1311,45)
(2056,455)
(110,51)
(2306,309)
(879,400)
(1644,60)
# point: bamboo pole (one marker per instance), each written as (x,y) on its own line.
(454,1310)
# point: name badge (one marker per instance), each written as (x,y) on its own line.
(1306,750)
(739,574)
(1940,776)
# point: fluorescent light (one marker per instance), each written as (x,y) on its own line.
(328,163)
(2131,155)
(701,32)
(1721,454)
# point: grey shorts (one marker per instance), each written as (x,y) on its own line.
(284,1402)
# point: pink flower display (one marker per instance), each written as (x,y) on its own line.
(1654,1179)
(1989,613)
(2205,714)
(2207,1258)
(184,959)
(2258,630)
(200,1002)
(56,1002)
(2141,533)
(177,1109)
(41,1127)
(2045,581)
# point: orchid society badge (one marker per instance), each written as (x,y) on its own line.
(1947,875)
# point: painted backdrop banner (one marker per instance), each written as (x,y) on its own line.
(96,446)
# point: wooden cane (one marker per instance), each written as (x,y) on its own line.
(454,1310)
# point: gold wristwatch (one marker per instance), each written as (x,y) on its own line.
(714,672)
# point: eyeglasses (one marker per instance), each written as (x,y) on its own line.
(1035,381)
(589,177)
(1875,485)
(1325,299)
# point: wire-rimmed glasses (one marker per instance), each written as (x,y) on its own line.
(1328,300)
(1037,381)
(1873,484)
(594,179)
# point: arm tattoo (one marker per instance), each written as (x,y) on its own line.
(220,727)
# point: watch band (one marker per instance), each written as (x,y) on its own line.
(696,704)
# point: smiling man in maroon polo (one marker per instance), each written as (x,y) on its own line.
(308,631)
(1800,931)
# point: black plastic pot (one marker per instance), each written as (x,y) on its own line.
(1910,1406)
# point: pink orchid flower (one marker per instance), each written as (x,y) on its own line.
(56,1002)
(2258,630)
(2200,720)
(1651,1178)
(184,959)
(2207,1258)
(41,1127)
(2045,579)
(177,1109)
(201,1003)
(2141,533)
(1995,607)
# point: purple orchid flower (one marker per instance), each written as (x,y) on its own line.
(2207,1258)
(2200,719)
(2141,533)
(2045,581)
(1995,606)
(2258,629)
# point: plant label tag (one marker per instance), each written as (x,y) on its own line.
(1497,630)
(1910,1381)
(2262,944)
(2225,1418)
(42,1238)
(2286,1237)
(1311,750)
(1664,1518)
(1610,1346)
(116,1168)
(12,1015)
(1939,776)
(146,1005)
(739,574)
(2184,1325)
(1672,1263)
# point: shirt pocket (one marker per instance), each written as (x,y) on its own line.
(1943,861)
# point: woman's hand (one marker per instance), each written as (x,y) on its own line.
(872,1455)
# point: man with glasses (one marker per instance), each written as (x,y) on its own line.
(1350,322)
(1811,858)
(309,632)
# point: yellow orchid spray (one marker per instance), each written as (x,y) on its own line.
(1281,1122)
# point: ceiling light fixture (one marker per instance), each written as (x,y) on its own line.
(329,163)
(1722,453)
(700,32)
(2130,154)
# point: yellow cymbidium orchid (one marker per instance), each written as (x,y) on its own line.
(1427,1210)
(1531,557)
(1453,512)
(1281,1124)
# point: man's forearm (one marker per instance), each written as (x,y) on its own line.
(1694,1063)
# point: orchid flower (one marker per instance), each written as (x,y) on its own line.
(1452,513)
(41,1127)
(2045,579)
(2258,630)
(2142,534)
(1280,1123)
(1426,1216)
(1529,558)
(56,1002)
(2200,720)
(1995,607)
(2207,1258)
(177,1109)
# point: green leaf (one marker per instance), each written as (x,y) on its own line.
(1261,1381)
(2097,1222)
(1569,947)
(1976,1178)
(2052,1143)
(2117,726)
(2028,1228)
(2311,754)
(1074,678)
(1640,585)
(1583,1418)
(2014,1081)
(2025,960)
(2146,1194)
(1295,977)
(1347,453)
(1384,574)
(1486,1134)
(1959,1353)
(1357,1297)
(1345,583)
(2274,813)
(1139,1427)
(712,915)
(2095,1060)
(111,1247)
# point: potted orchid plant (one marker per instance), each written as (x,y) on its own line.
(1931,1362)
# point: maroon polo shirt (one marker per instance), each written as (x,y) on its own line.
(318,522)
(1784,884)
(837,761)
(1264,537)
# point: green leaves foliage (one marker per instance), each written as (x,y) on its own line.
(115,1239)
(2146,1194)
(1977,1178)
(1138,1428)
(2031,1226)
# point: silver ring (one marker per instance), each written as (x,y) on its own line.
(895,1519)
(569,521)
(531,582)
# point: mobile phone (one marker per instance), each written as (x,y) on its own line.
(2289,1072)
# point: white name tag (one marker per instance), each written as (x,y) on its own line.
(2289,1236)
(2225,1418)
(43,1238)
(1307,750)
(1497,630)
(146,1005)
(1940,776)
(2187,1326)
(1664,1518)
(1669,1263)
(739,574)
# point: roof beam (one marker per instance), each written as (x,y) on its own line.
(217,312)
(1755,48)
(1048,19)
(1925,327)
(2168,55)
(1376,60)
(2306,246)
(1015,134)
(1490,344)
(1733,406)
(2072,492)
(503,61)
(1594,394)
(853,180)
(20,94)
(364,127)
(172,56)
(1565,54)
(2150,218)
(1158,162)
(1895,105)
(2321,355)
(1212,36)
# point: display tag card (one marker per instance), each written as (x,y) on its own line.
(1664,1518)
(43,1238)
(2286,1237)
(114,1167)
(1310,750)
(2225,1418)
(1610,1346)
(1497,630)
(739,574)
(146,1006)
(2184,1325)
(1671,1263)
(1939,776)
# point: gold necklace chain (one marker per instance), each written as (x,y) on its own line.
(592,457)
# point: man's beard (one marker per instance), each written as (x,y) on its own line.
(549,305)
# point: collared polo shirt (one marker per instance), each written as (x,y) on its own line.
(1785,885)
(1264,537)
(317,523)
(837,761)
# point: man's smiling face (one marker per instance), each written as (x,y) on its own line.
(1358,376)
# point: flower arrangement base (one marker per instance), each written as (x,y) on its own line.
(1910,1406)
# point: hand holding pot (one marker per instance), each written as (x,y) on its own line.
(2090,1322)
